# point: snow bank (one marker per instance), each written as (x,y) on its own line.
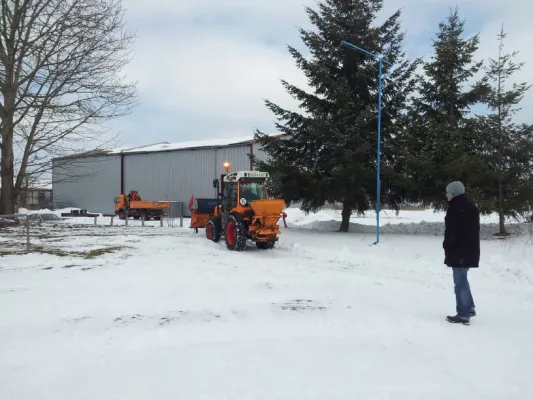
(425,222)
(57,211)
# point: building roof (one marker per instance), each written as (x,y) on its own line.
(167,146)
(196,144)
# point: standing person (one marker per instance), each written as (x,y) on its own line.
(461,248)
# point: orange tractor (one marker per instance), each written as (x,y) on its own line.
(242,211)
(131,205)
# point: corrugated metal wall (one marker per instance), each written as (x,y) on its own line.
(90,183)
(176,175)
(172,175)
(259,154)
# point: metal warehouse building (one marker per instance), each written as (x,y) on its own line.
(159,172)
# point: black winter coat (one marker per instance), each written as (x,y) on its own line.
(461,237)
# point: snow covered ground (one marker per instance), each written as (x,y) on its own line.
(99,312)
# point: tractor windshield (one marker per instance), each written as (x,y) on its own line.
(252,190)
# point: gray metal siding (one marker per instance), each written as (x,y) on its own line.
(170,176)
(173,175)
(260,154)
(176,175)
(90,183)
(236,155)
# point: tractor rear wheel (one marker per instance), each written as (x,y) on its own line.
(235,233)
(265,245)
(212,232)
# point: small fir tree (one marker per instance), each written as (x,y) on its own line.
(509,152)
(443,143)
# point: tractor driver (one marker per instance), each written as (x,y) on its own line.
(252,191)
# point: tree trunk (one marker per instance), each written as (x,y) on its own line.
(346,213)
(503,231)
(501,211)
(7,204)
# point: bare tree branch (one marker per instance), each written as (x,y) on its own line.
(61,79)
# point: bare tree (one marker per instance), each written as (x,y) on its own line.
(61,77)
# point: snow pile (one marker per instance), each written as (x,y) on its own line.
(425,222)
(47,211)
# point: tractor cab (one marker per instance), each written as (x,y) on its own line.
(120,201)
(240,189)
(123,200)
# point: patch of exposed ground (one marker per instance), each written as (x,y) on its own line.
(88,255)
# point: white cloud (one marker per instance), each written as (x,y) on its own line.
(204,66)
(216,76)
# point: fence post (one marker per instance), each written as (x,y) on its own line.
(95,217)
(27,234)
(126,220)
(142,219)
(181,215)
(112,220)
(161,221)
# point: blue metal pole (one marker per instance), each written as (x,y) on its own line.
(380,89)
(353,46)
(378,174)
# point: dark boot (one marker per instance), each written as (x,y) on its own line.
(457,320)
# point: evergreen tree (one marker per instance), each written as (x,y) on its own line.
(444,142)
(508,188)
(330,153)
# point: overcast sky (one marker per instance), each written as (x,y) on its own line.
(205,66)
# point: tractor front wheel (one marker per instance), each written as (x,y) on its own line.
(235,233)
(212,232)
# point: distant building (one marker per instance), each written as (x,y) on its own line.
(164,171)
(36,196)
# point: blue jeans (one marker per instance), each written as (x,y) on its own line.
(463,295)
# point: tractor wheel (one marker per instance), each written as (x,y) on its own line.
(212,232)
(235,233)
(121,215)
(265,245)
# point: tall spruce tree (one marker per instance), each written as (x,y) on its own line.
(444,143)
(508,188)
(329,154)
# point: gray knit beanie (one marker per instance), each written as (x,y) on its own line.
(455,188)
